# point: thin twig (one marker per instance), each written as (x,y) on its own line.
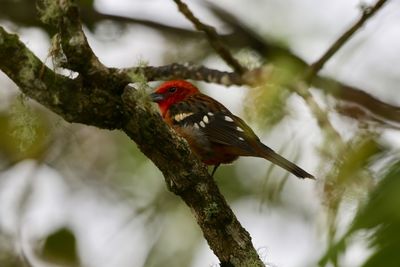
(367,12)
(212,37)
(320,115)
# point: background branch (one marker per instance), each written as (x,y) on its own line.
(367,12)
(321,116)
(185,71)
(212,37)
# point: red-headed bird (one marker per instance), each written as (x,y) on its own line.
(214,134)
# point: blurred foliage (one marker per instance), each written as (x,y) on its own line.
(24,133)
(60,248)
(350,176)
(380,216)
(23,123)
(266,103)
(249,58)
(8,258)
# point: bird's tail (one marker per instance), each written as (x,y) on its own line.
(275,158)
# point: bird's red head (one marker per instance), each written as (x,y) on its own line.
(172,92)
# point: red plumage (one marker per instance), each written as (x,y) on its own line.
(212,131)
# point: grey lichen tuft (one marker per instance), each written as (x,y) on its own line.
(56,54)
(225,80)
(50,11)
(249,59)
(139,82)
(27,71)
(137,77)
(24,125)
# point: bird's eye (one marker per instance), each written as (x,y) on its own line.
(172,90)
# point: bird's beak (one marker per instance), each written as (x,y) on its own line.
(155,97)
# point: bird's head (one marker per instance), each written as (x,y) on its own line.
(172,92)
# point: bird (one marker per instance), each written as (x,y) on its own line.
(213,133)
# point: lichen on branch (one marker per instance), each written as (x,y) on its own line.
(50,10)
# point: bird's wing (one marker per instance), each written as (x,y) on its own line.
(215,122)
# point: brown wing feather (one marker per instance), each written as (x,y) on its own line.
(223,127)
(219,136)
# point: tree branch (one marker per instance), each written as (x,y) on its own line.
(321,116)
(363,100)
(367,13)
(79,55)
(67,97)
(185,71)
(212,37)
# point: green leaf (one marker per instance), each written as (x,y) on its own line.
(60,248)
(382,213)
(381,216)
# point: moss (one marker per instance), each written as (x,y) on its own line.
(138,77)
(55,53)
